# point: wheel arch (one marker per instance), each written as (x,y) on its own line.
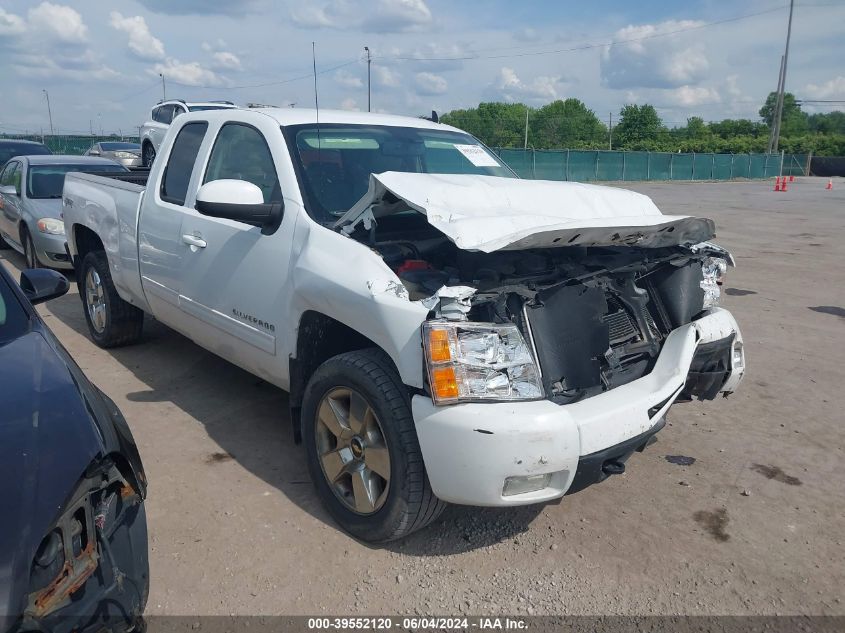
(319,338)
(85,240)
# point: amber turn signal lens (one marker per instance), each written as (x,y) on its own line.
(438,346)
(444,383)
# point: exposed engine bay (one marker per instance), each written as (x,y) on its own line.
(595,317)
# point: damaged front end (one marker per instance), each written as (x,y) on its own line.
(90,569)
(578,308)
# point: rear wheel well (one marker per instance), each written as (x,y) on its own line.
(319,338)
(86,241)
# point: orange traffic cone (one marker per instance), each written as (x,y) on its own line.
(791,178)
(829,183)
(777,183)
(783,184)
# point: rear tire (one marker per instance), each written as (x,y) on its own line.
(148,155)
(112,322)
(383,428)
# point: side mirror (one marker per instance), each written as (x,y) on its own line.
(42,284)
(241,201)
(9,190)
(93,152)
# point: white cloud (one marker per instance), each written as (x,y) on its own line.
(526,34)
(510,87)
(349,104)
(11,24)
(188,73)
(654,56)
(386,16)
(221,57)
(386,77)
(348,80)
(430,84)
(225,60)
(60,22)
(142,43)
(85,66)
(689,96)
(832,89)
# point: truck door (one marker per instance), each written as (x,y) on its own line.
(160,246)
(233,278)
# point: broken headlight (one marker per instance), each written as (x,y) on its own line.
(479,361)
(713,272)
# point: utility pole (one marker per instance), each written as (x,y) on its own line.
(779,111)
(49,112)
(610,131)
(777,95)
(163,88)
(525,144)
(369,64)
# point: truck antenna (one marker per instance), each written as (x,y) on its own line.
(316,100)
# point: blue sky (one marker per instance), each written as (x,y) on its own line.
(100,62)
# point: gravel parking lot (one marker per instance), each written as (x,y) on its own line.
(737,509)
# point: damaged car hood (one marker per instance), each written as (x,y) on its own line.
(490,213)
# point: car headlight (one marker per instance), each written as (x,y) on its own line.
(479,361)
(713,272)
(125,155)
(52,226)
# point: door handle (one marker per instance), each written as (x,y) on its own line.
(192,240)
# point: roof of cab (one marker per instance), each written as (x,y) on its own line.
(300,116)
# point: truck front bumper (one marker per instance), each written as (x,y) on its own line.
(508,454)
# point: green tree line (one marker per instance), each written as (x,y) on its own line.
(570,124)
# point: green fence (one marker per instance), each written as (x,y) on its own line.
(62,144)
(586,165)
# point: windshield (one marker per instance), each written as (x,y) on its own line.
(47,181)
(117,147)
(334,166)
(9,150)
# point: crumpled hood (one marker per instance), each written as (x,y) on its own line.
(489,213)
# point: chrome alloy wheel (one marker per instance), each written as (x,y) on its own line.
(95,300)
(352,450)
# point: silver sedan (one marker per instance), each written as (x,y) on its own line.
(127,154)
(31,205)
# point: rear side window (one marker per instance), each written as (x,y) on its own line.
(12,176)
(10,150)
(180,165)
(241,153)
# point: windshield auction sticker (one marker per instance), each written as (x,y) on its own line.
(477,155)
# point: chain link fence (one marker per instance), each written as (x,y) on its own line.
(67,144)
(605,165)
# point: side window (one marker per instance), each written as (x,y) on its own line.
(157,114)
(6,176)
(177,110)
(180,164)
(14,177)
(241,153)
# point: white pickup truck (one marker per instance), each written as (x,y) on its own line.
(447,331)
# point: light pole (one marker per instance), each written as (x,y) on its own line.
(163,88)
(49,112)
(779,107)
(369,63)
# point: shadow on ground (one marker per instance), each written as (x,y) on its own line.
(248,418)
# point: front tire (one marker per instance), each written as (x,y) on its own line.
(362,448)
(112,322)
(29,250)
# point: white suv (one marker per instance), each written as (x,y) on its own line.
(162,115)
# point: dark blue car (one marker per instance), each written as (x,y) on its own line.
(73,542)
